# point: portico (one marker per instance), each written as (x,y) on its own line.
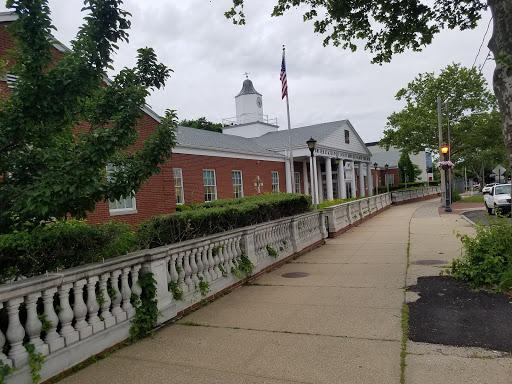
(340,164)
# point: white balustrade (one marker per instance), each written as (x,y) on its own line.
(3,357)
(66,315)
(93,306)
(15,333)
(188,272)
(116,297)
(33,325)
(80,310)
(126,293)
(52,338)
(108,318)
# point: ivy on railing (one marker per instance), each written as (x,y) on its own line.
(146,308)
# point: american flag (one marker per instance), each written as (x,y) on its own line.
(284,84)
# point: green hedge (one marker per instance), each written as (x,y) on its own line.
(61,245)
(219,216)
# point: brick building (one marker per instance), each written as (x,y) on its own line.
(249,157)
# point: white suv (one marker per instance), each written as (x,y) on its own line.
(498,199)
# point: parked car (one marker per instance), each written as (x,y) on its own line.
(488,187)
(498,199)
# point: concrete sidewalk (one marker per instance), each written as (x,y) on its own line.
(339,324)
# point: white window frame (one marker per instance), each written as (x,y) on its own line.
(240,191)
(179,172)
(275,186)
(214,186)
(389,179)
(296,182)
(116,211)
(11,79)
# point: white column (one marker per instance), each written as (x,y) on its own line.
(328,177)
(361,180)
(312,174)
(289,177)
(341,180)
(319,185)
(370,179)
(305,177)
(353,181)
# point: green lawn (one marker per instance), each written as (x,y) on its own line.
(473,199)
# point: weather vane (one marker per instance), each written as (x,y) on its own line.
(246,75)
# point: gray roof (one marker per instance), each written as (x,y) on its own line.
(279,139)
(389,157)
(199,138)
(248,88)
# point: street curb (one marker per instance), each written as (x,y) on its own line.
(467,219)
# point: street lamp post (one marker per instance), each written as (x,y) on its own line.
(445,150)
(386,167)
(311,145)
(375,165)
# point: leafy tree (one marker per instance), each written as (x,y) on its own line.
(61,126)
(475,125)
(407,168)
(202,123)
(392,26)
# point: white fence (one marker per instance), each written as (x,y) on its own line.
(102,293)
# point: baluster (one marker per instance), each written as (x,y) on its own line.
(236,255)
(193,268)
(33,325)
(52,338)
(107,316)
(167,269)
(174,272)
(3,358)
(126,292)
(136,288)
(259,245)
(80,310)
(220,255)
(66,316)
(117,298)
(238,248)
(188,271)
(225,257)
(206,264)
(200,266)
(215,257)
(181,273)
(16,333)
(93,306)
(229,253)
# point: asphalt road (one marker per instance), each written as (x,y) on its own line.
(480,216)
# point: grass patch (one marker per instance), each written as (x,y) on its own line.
(473,199)
(403,352)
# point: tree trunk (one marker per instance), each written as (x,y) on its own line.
(500,45)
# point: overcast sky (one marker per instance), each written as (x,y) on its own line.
(209,56)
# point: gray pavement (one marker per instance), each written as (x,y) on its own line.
(339,324)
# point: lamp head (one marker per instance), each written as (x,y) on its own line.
(337,160)
(311,143)
(375,165)
(444,149)
(386,167)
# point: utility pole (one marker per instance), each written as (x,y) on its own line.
(440,124)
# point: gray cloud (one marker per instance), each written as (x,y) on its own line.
(209,56)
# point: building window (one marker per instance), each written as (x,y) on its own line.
(296,179)
(347,136)
(11,80)
(178,186)
(238,188)
(123,205)
(275,181)
(390,179)
(210,186)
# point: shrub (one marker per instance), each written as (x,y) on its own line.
(487,259)
(60,245)
(456,195)
(219,216)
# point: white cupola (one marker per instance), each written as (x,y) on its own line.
(250,120)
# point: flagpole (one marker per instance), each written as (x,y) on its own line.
(292,176)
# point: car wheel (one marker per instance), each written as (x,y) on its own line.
(489,210)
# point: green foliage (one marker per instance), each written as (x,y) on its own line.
(60,127)
(46,325)
(112,293)
(202,123)
(146,313)
(204,287)
(219,216)
(401,187)
(455,195)
(177,293)
(272,252)
(99,297)
(487,259)
(245,265)
(36,361)
(223,271)
(5,370)
(60,245)
(475,124)
(407,169)
(387,27)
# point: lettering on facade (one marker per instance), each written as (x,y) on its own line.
(343,155)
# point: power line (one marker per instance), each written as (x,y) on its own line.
(488,25)
(485,61)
